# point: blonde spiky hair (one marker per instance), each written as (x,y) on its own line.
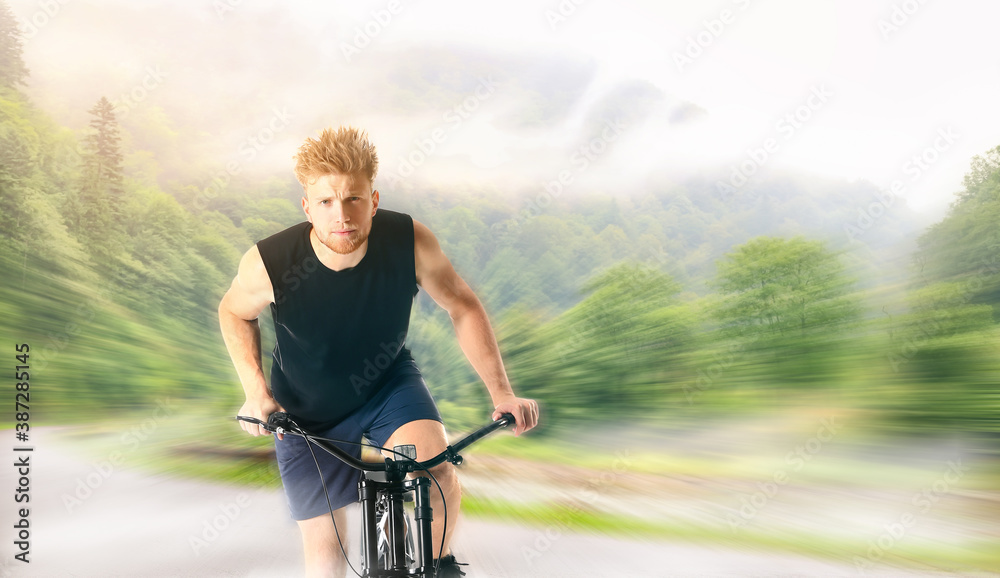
(345,150)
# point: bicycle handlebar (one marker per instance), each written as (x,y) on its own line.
(280,422)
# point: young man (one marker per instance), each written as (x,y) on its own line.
(340,287)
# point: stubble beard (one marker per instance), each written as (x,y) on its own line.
(346,246)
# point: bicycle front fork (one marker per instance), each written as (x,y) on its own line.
(395,554)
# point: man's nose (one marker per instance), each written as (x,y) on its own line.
(339,212)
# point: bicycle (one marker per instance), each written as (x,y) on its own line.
(387,543)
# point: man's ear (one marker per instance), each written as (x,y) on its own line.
(305,208)
(374,201)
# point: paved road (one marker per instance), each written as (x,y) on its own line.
(93,518)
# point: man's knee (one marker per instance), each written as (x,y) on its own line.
(447,476)
(428,436)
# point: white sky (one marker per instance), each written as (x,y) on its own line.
(890,94)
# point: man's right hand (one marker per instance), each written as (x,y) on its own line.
(260,409)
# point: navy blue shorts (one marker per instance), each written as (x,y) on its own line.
(403,398)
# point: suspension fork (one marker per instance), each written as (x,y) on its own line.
(423,515)
(370,491)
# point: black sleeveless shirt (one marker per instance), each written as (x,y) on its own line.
(338,332)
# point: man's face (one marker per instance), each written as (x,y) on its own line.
(340,208)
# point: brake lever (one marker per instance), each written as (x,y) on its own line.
(277,422)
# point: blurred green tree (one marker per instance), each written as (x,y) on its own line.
(965,246)
(19,150)
(944,349)
(465,239)
(13,71)
(615,352)
(791,298)
(19,144)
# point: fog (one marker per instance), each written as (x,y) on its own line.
(511,96)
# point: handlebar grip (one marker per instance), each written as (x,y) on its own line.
(275,421)
(249,419)
(504,421)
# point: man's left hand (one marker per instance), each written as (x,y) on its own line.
(525,412)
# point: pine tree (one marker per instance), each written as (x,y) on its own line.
(101,192)
(13,72)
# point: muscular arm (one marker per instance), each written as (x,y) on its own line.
(472,326)
(248,295)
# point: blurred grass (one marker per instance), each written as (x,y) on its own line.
(917,553)
(675,456)
(200,444)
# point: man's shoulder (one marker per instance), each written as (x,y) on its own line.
(285,235)
(284,246)
(392,226)
(394,217)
